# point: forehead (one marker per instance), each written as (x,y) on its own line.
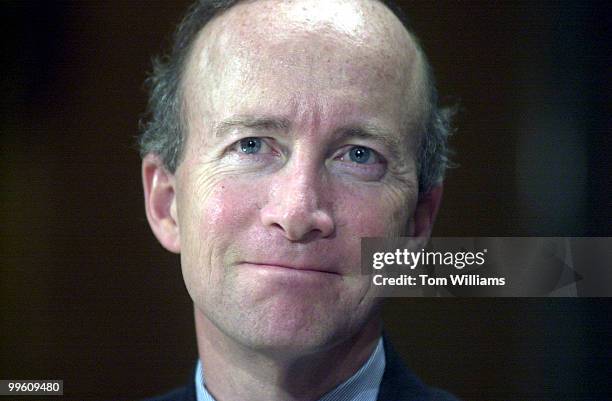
(282,50)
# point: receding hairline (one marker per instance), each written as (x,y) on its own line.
(213,30)
(214,39)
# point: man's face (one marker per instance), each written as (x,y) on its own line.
(302,123)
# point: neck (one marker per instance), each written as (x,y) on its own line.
(235,372)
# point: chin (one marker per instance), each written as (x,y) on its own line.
(298,334)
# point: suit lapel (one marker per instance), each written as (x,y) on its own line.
(398,382)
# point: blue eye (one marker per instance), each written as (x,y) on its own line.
(250,145)
(361,155)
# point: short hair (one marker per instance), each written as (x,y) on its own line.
(163,129)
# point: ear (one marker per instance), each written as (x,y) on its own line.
(425,213)
(160,202)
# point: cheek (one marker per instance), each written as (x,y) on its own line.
(213,214)
(373,212)
(214,204)
(228,207)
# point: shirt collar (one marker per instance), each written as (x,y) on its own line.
(362,386)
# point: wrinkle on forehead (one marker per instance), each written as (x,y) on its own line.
(306,44)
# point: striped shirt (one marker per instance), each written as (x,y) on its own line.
(362,386)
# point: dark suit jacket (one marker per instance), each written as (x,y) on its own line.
(398,384)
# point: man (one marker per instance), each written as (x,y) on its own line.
(281,133)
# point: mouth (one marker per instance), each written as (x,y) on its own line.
(305,269)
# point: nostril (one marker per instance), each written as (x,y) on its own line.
(297,214)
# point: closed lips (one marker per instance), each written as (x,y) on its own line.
(304,268)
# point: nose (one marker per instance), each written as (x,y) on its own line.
(296,207)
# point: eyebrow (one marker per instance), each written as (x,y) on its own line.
(252,122)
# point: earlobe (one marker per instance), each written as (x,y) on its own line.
(425,212)
(160,202)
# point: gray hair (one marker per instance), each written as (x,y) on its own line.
(163,130)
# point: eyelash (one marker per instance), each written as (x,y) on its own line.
(240,146)
(353,151)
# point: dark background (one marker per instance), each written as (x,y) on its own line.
(88,296)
